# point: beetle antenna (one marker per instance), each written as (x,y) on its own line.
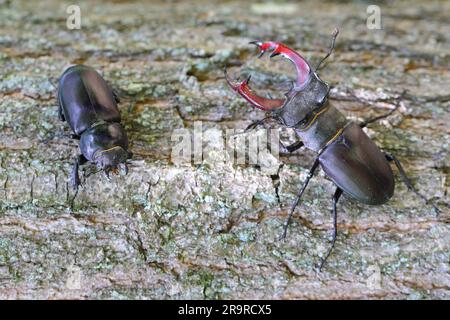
(330,50)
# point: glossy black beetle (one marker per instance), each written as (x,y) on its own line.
(346,154)
(90,107)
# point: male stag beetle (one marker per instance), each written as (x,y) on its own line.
(90,107)
(346,154)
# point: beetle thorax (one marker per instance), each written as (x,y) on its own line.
(326,126)
(301,102)
(309,112)
(104,136)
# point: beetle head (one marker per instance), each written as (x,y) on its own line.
(112,160)
(106,144)
(301,105)
(307,95)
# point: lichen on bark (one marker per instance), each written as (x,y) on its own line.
(210,230)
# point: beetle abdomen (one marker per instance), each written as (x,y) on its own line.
(358,167)
(86,98)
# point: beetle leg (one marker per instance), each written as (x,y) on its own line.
(75,177)
(336,196)
(123,169)
(54,82)
(116,96)
(106,173)
(114,92)
(383,116)
(60,113)
(60,110)
(257,123)
(387,114)
(259,102)
(407,181)
(74,136)
(302,67)
(299,196)
(292,147)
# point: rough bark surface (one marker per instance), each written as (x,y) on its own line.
(210,230)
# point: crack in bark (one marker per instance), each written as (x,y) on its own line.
(395,227)
(55,174)
(5,185)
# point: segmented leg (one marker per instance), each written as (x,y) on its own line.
(299,196)
(407,181)
(61,113)
(387,114)
(257,123)
(53,82)
(114,92)
(74,136)
(383,116)
(116,96)
(336,196)
(75,178)
(292,147)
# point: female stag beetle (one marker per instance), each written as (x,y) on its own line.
(346,154)
(90,107)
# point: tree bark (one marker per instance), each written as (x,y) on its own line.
(210,230)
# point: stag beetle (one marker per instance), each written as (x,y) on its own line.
(89,105)
(346,154)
